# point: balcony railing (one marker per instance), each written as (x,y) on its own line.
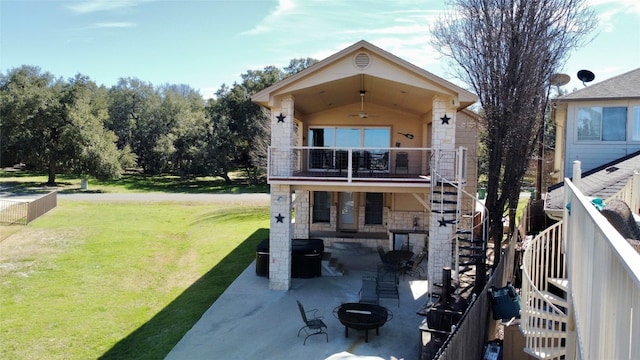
(604,280)
(600,271)
(359,164)
(544,314)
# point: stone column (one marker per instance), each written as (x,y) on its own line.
(281,162)
(441,233)
(280,238)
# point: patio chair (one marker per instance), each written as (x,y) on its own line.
(312,326)
(402,161)
(390,267)
(387,284)
(368,292)
(412,267)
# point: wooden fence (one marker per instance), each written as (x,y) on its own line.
(22,212)
(467,341)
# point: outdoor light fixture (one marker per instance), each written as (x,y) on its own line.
(407,135)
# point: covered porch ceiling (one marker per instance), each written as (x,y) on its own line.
(345,91)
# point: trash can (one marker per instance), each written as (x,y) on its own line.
(306,258)
(482,193)
(262,258)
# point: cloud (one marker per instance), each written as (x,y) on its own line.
(619,6)
(114,25)
(92,6)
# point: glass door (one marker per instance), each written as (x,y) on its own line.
(347,218)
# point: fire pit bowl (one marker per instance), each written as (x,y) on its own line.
(362,316)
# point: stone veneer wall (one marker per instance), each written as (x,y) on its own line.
(282,135)
(440,237)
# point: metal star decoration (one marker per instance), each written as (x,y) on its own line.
(443,222)
(281,118)
(279,218)
(445,119)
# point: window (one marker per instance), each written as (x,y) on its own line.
(321,207)
(602,124)
(349,137)
(373,209)
(345,137)
(636,124)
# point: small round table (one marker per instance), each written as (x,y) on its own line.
(398,256)
(361,316)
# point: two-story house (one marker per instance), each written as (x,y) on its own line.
(368,148)
(598,125)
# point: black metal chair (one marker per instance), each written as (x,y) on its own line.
(412,267)
(313,326)
(402,161)
(388,266)
(369,290)
(387,284)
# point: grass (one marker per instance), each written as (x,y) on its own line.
(28,182)
(118,280)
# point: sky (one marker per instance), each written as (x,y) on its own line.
(207,43)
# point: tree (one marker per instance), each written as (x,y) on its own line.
(507,50)
(31,117)
(49,123)
(91,148)
(182,109)
(297,65)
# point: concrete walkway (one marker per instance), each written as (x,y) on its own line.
(249,321)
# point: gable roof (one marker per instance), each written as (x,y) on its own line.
(623,86)
(601,182)
(320,73)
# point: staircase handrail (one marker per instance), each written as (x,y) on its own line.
(483,224)
(543,322)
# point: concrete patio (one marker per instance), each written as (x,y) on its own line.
(249,321)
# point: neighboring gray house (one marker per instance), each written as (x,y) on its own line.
(597,124)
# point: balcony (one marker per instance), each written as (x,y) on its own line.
(362,166)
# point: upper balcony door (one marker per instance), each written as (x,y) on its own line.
(344,138)
(347,216)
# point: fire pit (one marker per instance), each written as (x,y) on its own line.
(361,316)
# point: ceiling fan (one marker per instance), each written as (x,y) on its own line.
(363,114)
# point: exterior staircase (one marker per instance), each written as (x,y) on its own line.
(469,243)
(331,266)
(545,308)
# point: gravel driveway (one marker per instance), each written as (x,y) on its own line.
(258,198)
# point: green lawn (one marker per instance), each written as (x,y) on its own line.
(132,182)
(117,280)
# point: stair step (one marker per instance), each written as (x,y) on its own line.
(472,256)
(547,352)
(465,269)
(473,248)
(539,313)
(556,334)
(446,211)
(471,241)
(560,283)
(555,299)
(443,183)
(450,202)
